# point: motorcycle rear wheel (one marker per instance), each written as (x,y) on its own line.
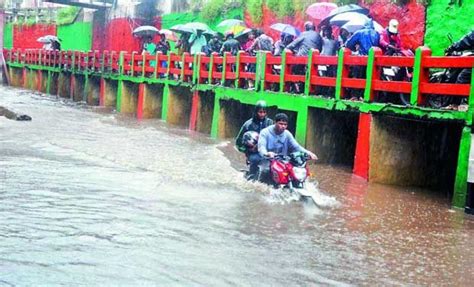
(438,101)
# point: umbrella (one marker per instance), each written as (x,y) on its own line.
(236,29)
(319,11)
(229,24)
(195,26)
(243,33)
(355,25)
(181,28)
(285,28)
(344,9)
(170,35)
(48,39)
(145,31)
(343,18)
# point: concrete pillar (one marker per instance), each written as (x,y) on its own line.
(460,185)
(362,154)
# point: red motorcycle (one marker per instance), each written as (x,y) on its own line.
(288,172)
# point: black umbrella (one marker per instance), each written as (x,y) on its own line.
(343,9)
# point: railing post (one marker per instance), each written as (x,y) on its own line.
(420,75)
(342,72)
(283,70)
(260,70)
(183,66)
(224,68)
(237,69)
(196,68)
(157,64)
(144,63)
(121,64)
(372,74)
(310,71)
(211,68)
(470,109)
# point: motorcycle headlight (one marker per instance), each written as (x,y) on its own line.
(300,173)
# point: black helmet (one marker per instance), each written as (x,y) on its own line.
(260,105)
(250,138)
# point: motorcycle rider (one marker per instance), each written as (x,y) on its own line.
(466,43)
(258,122)
(277,140)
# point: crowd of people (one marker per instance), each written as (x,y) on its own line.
(322,39)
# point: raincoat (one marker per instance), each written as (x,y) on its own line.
(365,38)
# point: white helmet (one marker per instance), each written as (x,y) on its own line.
(393,26)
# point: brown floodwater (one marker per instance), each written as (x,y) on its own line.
(92,197)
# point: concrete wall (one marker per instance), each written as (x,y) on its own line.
(111,87)
(93,91)
(414,152)
(153,101)
(332,135)
(179,106)
(129,98)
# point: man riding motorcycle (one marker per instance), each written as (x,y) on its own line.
(466,43)
(247,142)
(277,140)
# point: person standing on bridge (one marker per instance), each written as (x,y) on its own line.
(390,40)
(258,122)
(309,39)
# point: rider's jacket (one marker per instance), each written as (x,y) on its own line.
(283,143)
(466,43)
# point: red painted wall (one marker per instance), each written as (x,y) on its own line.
(411,18)
(116,34)
(25,37)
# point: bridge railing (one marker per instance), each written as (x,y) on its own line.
(346,76)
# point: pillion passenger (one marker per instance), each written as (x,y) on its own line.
(247,138)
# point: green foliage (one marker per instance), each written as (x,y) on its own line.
(254,7)
(212,9)
(301,5)
(345,2)
(286,8)
(67,15)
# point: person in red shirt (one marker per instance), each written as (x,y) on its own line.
(390,40)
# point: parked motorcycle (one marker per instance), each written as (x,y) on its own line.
(287,172)
(395,73)
(448,75)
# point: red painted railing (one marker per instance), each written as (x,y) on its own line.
(279,73)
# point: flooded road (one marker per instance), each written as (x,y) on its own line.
(91,197)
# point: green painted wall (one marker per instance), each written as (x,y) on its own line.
(8,36)
(442,19)
(169,20)
(76,36)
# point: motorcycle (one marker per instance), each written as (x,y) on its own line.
(395,73)
(287,172)
(449,75)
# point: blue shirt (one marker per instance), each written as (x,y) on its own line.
(268,141)
(366,38)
